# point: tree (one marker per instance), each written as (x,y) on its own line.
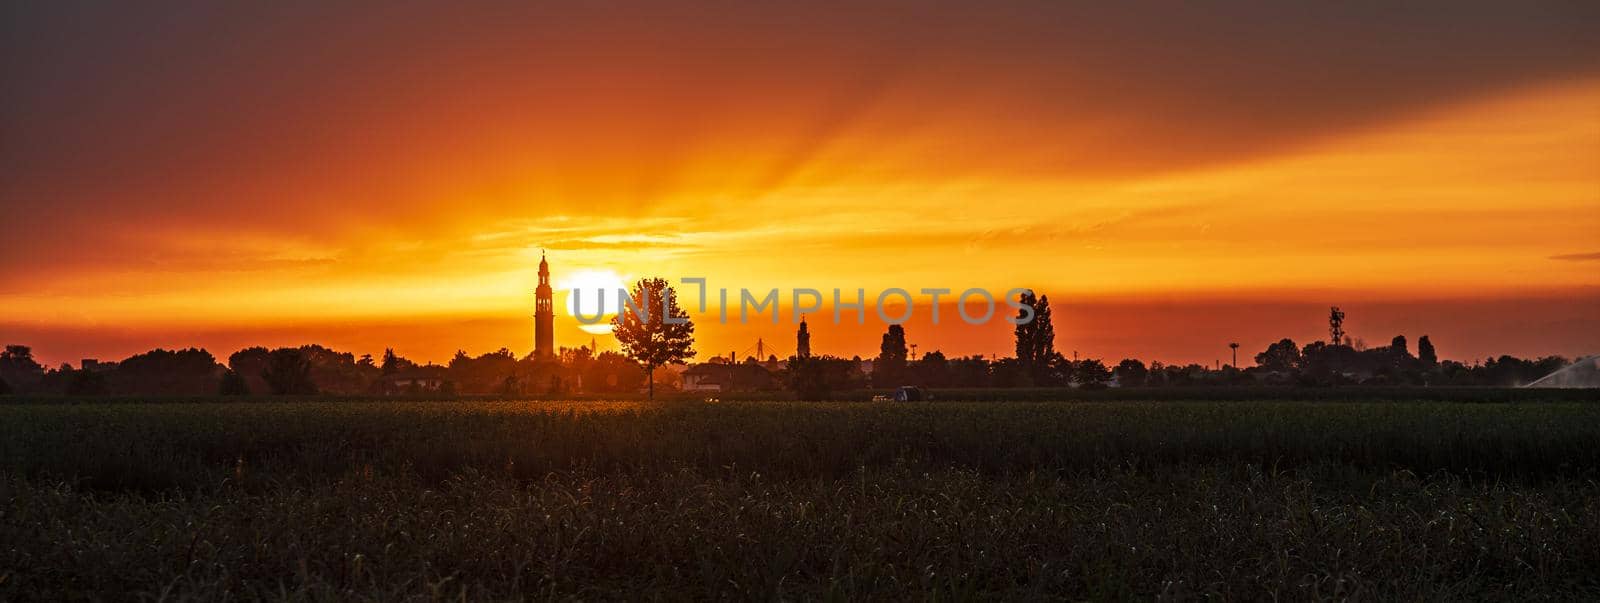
(19,358)
(1283,356)
(1398,347)
(1131,373)
(1091,373)
(663,335)
(188,372)
(891,362)
(971,371)
(251,364)
(1036,339)
(394,363)
(18,368)
(338,372)
(808,378)
(495,372)
(1426,354)
(86,383)
(4,388)
(289,372)
(233,384)
(933,370)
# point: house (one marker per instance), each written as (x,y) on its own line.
(722,377)
(431,378)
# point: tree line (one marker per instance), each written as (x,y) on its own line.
(314,369)
(667,336)
(1037,363)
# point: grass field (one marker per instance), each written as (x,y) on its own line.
(1113,499)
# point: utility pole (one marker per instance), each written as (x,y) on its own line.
(913,352)
(1235,347)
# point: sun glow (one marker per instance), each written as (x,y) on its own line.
(592,292)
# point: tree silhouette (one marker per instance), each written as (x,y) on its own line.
(18,368)
(1398,346)
(86,383)
(891,362)
(664,334)
(393,363)
(1036,339)
(289,372)
(933,370)
(1131,373)
(1091,373)
(1426,354)
(808,378)
(1283,356)
(233,384)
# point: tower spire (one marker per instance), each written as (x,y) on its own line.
(802,344)
(543,313)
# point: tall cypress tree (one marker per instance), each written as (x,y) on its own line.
(891,362)
(1036,339)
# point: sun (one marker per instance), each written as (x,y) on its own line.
(598,294)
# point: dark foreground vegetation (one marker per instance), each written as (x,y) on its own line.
(390,500)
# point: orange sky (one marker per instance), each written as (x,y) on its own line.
(1174,179)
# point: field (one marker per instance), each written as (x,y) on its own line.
(779,500)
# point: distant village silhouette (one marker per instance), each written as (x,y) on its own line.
(568,371)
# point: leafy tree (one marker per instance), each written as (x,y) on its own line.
(1058,370)
(19,358)
(394,363)
(1091,373)
(18,368)
(5,388)
(664,335)
(1426,354)
(251,364)
(1008,372)
(289,372)
(233,384)
(1035,339)
(890,365)
(495,372)
(612,372)
(1131,373)
(808,378)
(971,371)
(817,377)
(191,372)
(933,370)
(1283,356)
(1398,347)
(86,383)
(338,372)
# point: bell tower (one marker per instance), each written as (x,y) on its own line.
(543,314)
(802,344)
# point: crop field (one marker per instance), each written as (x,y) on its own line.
(385,500)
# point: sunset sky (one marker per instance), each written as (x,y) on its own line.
(1173,175)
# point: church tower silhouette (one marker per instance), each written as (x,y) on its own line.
(802,343)
(543,314)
